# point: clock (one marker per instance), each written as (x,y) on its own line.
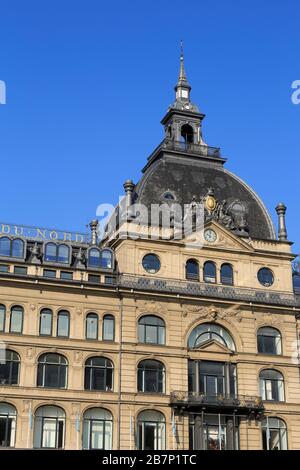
(210,235)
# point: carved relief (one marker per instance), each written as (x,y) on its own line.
(213,314)
(150,306)
(268,319)
(77,356)
(30,352)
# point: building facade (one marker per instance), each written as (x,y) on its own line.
(155,337)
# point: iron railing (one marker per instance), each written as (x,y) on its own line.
(200,289)
(188,147)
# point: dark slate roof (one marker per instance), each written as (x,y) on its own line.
(186,177)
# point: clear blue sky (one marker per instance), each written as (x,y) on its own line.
(88,82)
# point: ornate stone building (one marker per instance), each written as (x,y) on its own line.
(148,339)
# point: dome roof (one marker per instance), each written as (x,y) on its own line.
(182,179)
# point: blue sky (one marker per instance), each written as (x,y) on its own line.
(88,82)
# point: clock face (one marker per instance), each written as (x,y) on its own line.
(210,235)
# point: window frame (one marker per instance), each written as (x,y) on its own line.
(206,277)
(11,243)
(10,319)
(42,370)
(111,318)
(160,377)
(88,426)
(160,330)
(43,312)
(90,370)
(192,276)
(275,386)
(96,316)
(259,335)
(60,314)
(57,246)
(11,362)
(9,416)
(160,430)
(222,277)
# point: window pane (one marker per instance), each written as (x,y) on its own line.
(46,323)
(94,258)
(4,246)
(2,317)
(49,433)
(63,324)
(16,320)
(63,254)
(50,254)
(92,327)
(108,328)
(106,259)
(97,435)
(17,249)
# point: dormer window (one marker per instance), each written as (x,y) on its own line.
(12,248)
(57,253)
(100,258)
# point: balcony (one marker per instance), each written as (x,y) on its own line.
(201,289)
(193,401)
(186,147)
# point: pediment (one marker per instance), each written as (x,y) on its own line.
(213,346)
(226,239)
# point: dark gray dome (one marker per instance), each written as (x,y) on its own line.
(183,178)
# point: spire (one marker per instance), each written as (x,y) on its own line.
(182,75)
(183,87)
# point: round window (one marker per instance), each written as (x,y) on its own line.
(265,277)
(151,263)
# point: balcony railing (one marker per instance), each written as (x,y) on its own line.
(188,147)
(201,289)
(194,399)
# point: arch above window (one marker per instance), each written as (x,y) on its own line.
(57,253)
(271,385)
(227,274)
(9,367)
(97,429)
(151,430)
(12,247)
(8,417)
(210,331)
(49,427)
(192,270)
(98,374)
(151,376)
(151,330)
(100,259)
(210,272)
(269,341)
(52,371)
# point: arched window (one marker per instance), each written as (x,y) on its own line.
(57,253)
(49,428)
(2,317)
(227,274)
(151,330)
(97,429)
(187,134)
(13,248)
(151,430)
(108,328)
(151,376)
(192,270)
(52,371)
(106,259)
(8,417)
(210,331)
(274,434)
(94,258)
(91,330)
(16,319)
(63,324)
(5,246)
(209,272)
(98,374)
(9,367)
(46,322)
(269,341)
(271,385)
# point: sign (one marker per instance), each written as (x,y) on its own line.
(42,234)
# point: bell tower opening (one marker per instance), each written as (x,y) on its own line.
(187,134)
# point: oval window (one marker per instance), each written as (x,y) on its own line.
(151,263)
(265,277)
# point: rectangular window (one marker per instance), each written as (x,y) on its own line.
(68,276)
(20,270)
(94,278)
(49,273)
(4,268)
(108,329)
(110,280)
